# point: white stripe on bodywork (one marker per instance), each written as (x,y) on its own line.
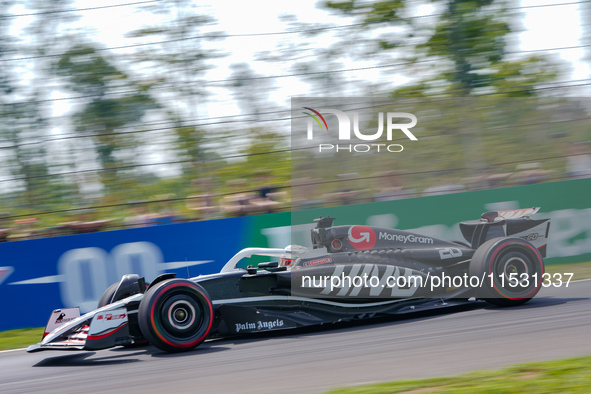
(352,274)
(303,299)
(366,272)
(336,273)
(375,291)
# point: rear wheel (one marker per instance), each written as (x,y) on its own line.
(511,270)
(175,315)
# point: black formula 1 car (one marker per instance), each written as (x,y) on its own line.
(352,272)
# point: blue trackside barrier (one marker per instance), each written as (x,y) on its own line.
(40,275)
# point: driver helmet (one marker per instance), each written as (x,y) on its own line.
(293,252)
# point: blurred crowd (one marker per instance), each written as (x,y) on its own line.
(265,194)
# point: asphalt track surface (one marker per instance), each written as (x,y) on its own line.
(556,324)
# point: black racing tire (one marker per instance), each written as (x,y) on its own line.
(175,315)
(511,271)
(107,295)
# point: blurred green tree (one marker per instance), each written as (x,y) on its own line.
(25,166)
(460,51)
(113,101)
(314,64)
(251,90)
(176,63)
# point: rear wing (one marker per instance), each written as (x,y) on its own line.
(510,223)
(495,216)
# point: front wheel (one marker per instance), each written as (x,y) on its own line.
(107,296)
(175,315)
(511,270)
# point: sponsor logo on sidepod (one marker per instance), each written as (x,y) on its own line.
(317,262)
(406,238)
(110,316)
(336,244)
(259,325)
(362,237)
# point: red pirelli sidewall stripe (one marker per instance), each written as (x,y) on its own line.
(536,254)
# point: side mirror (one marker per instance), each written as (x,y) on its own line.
(251,270)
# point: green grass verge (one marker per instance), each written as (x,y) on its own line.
(15,339)
(580,270)
(562,376)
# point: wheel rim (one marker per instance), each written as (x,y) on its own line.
(516,265)
(181,316)
(521,264)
